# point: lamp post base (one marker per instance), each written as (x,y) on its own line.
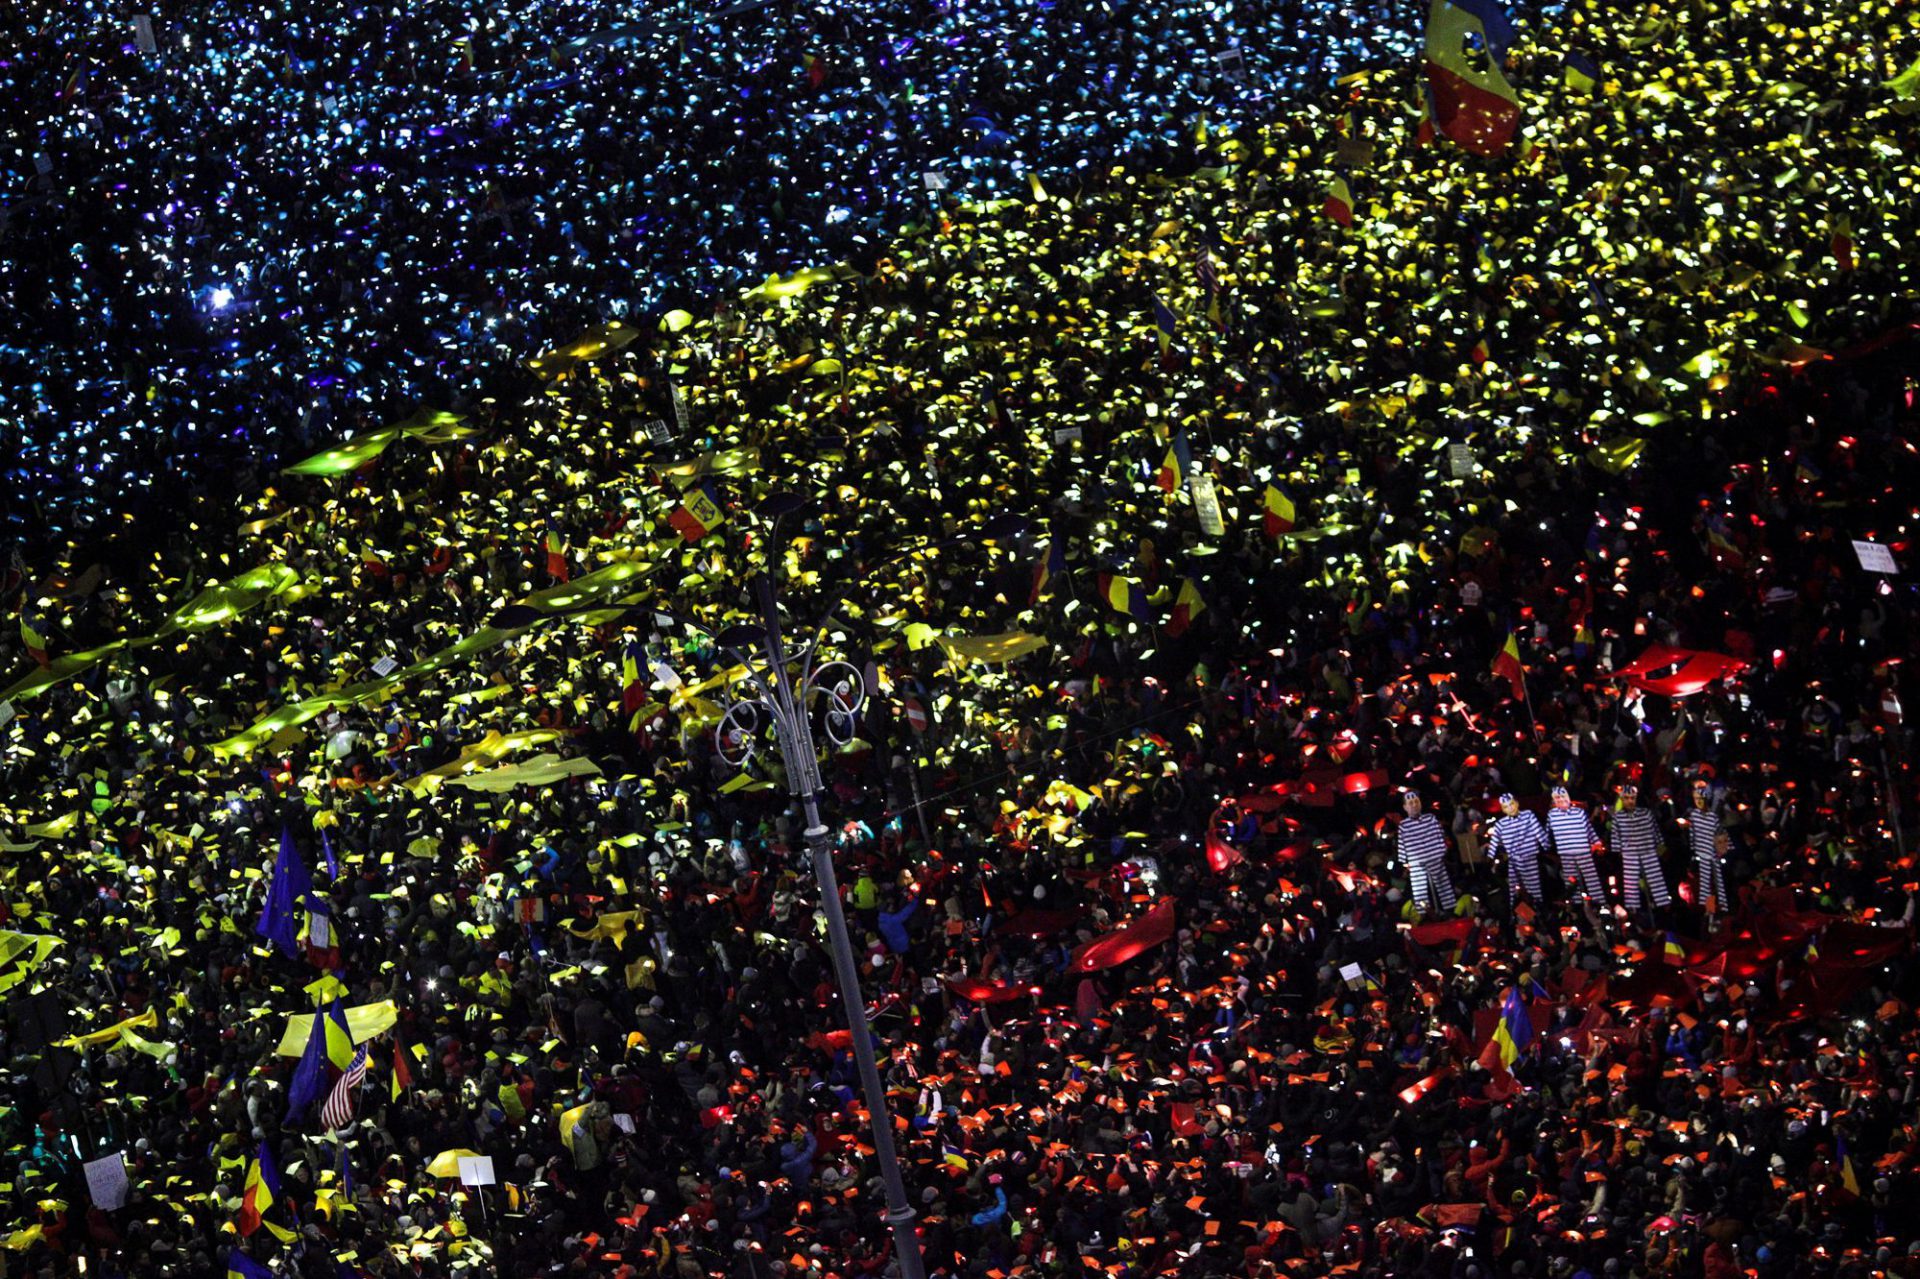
(900,1214)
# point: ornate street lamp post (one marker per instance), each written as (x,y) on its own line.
(781,684)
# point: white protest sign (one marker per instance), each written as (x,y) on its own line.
(6,714)
(476,1170)
(1066,433)
(1350,972)
(1206,503)
(107,1181)
(679,408)
(143,34)
(1460,460)
(665,676)
(384,667)
(935,180)
(624,1123)
(1875,558)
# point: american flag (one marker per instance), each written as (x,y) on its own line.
(338,1112)
(1208,279)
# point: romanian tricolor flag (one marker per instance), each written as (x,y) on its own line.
(241,1266)
(256,1193)
(1723,546)
(1472,102)
(1423,124)
(557,555)
(1673,952)
(1506,664)
(1277,512)
(1163,319)
(698,514)
(323,941)
(1479,354)
(1848,1177)
(1175,467)
(1842,243)
(1188,605)
(1512,1034)
(633,683)
(1126,597)
(1054,562)
(1582,72)
(1339,202)
(339,1038)
(401,1076)
(35,643)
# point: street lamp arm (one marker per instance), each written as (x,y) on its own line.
(781,695)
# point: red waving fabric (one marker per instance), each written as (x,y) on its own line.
(987,992)
(1676,672)
(1140,934)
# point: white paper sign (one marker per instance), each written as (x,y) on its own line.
(1350,972)
(1460,460)
(6,714)
(1066,433)
(107,1181)
(143,34)
(476,1170)
(1875,558)
(679,408)
(624,1123)
(1206,504)
(935,180)
(664,676)
(384,667)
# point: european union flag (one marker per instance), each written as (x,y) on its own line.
(280,921)
(310,1076)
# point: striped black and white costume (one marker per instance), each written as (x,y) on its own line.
(1573,840)
(1517,840)
(1709,873)
(1635,837)
(1423,847)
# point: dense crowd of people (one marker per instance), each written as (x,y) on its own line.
(283,220)
(1197,546)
